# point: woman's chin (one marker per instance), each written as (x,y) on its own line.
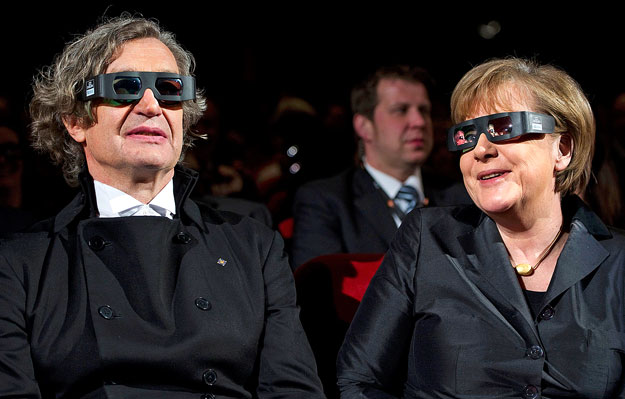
(493,206)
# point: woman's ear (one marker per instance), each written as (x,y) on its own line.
(74,128)
(565,151)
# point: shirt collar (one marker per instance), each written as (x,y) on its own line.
(391,185)
(115,203)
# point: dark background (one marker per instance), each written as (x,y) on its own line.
(319,51)
(249,56)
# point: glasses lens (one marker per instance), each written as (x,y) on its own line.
(127,85)
(169,86)
(460,136)
(468,134)
(500,126)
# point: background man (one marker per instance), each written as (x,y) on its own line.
(99,302)
(359,210)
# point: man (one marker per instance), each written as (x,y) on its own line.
(359,210)
(133,289)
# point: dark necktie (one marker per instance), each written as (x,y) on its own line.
(410,195)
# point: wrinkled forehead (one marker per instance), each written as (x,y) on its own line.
(503,98)
(144,54)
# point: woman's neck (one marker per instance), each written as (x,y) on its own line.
(534,238)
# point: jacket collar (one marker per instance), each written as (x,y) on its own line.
(490,270)
(574,209)
(84,205)
(371,201)
(583,251)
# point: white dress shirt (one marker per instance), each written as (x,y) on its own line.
(391,186)
(115,203)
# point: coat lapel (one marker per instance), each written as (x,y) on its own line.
(582,252)
(489,268)
(371,203)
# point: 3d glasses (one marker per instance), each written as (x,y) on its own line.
(128,87)
(498,127)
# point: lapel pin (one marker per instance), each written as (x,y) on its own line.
(221,262)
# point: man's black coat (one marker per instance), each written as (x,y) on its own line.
(203,304)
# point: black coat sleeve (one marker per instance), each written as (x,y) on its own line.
(317,226)
(17,376)
(287,365)
(373,360)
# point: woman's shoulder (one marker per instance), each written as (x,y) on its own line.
(463,216)
(617,240)
(426,225)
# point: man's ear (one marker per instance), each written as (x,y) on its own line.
(363,127)
(565,151)
(75,128)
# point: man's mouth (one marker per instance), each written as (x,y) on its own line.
(416,141)
(146,131)
(145,134)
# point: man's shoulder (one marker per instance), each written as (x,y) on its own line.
(253,209)
(239,233)
(231,221)
(340,184)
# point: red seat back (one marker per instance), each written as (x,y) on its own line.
(348,274)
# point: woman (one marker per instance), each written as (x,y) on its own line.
(521,295)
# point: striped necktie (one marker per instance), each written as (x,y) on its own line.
(409,196)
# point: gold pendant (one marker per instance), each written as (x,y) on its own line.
(524,269)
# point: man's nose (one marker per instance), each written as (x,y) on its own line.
(148,105)
(416,118)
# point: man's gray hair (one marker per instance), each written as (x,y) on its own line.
(57,88)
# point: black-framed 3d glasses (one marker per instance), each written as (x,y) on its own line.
(127,87)
(498,127)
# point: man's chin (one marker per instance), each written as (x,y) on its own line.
(417,159)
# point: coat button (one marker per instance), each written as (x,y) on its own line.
(106,312)
(203,303)
(535,352)
(547,313)
(208,396)
(182,238)
(209,377)
(530,392)
(96,243)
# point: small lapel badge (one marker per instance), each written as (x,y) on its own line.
(221,262)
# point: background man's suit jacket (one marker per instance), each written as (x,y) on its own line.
(348,213)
